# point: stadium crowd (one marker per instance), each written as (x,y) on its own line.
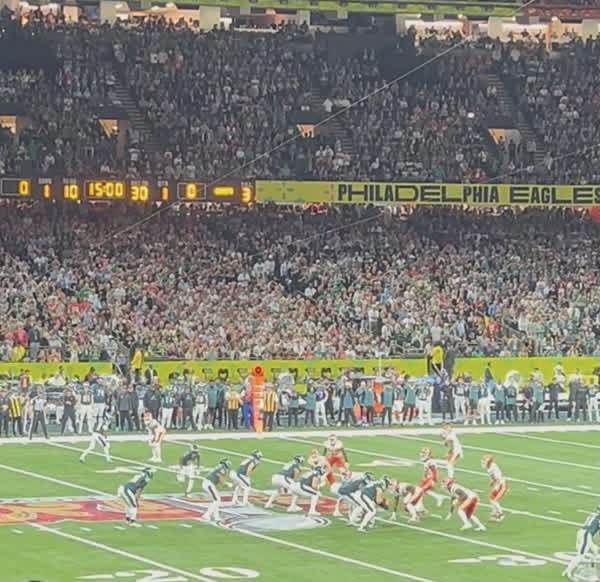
(218,102)
(276,282)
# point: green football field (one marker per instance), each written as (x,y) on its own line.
(60,520)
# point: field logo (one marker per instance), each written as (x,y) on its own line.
(264,521)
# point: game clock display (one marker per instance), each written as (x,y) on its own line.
(132,191)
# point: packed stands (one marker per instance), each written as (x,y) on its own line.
(277,282)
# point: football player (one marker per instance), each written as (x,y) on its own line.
(99,437)
(370,498)
(188,468)
(498,486)
(308,486)
(316,460)
(584,544)
(455,450)
(411,496)
(465,502)
(336,457)
(216,476)
(156,433)
(431,476)
(131,492)
(346,490)
(241,477)
(285,478)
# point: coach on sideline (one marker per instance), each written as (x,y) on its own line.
(39,404)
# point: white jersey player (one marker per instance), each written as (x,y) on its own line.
(156,433)
(498,486)
(455,450)
(100,438)
(465,502)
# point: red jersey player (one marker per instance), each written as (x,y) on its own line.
(431,476)
(498,486)
(465,502)
(336,457)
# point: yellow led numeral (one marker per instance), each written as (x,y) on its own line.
(191,192)
(140,193)
(24,188)
(71,192)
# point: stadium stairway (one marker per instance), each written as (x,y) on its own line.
(138,121)
(334,128)
(510,108)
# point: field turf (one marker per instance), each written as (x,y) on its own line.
(60,520)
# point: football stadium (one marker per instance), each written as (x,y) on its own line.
(299,290)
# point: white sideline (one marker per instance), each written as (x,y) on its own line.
(216,436)
(557,441)
(418,528)
(136,557)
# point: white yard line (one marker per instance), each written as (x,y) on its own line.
(122,553)
(50,479)
(461,469)
(424,431)
(331,555)
(556,441)
(507,454)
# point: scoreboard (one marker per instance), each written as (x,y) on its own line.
(133,191)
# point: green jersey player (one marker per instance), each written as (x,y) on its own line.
(188,468)
(346,490)
(241,477)
(368,499)
(131,492)
(285,478)
(215,477)
(585,546)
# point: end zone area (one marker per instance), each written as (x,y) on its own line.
(60,520)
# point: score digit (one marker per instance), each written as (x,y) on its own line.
(71,192)
(140,193)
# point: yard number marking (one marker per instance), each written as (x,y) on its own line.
(217,573)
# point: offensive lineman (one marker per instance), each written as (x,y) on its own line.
(241,477)
(308,486)
(584,544)
(370,497)
(347,489)
(99,437)
(188,468)
(215,477)
(131,492)
(284,479)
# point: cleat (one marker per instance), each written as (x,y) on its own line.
(466,527)
(480,528)
(336,514)
(362,530)
(294,509)
(313,514)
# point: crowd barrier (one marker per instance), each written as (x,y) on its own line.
(236,370)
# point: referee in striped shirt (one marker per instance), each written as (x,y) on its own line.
(38,404)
